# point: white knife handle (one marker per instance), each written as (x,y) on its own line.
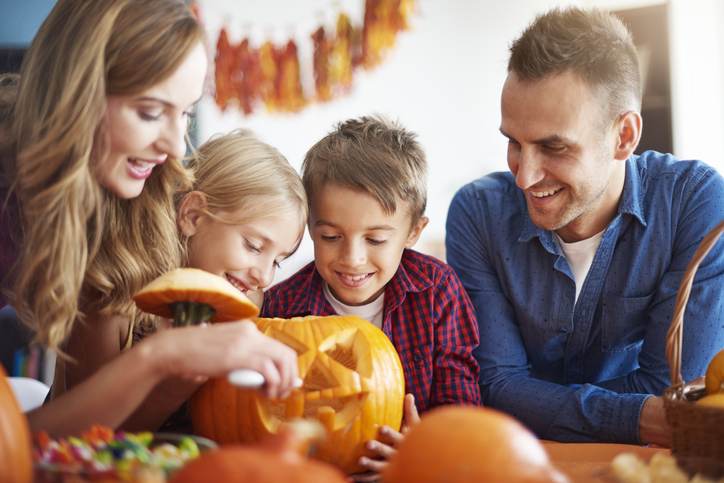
(251,379)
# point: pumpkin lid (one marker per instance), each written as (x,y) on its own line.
(198,286)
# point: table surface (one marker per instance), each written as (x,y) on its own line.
(590,462)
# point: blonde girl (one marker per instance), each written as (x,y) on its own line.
(244,215)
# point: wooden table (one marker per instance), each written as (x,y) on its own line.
(590,462)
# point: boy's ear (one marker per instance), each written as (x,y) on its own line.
(416,231)
(190,211)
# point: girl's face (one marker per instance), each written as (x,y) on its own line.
(148,128)
(245,254)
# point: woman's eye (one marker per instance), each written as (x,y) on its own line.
(149,116)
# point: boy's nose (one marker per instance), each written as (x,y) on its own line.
(354,254)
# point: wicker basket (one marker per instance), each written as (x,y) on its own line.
(698,431)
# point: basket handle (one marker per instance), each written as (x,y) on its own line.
(675,334)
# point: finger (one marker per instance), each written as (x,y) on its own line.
(390,436)
(381,449)
(271,378)
(412,417)
(373,465)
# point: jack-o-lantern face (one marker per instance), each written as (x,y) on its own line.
(352,383)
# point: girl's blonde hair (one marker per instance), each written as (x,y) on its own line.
(82,249)
(239,173)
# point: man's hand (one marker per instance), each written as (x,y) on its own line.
(386,444)
(653,427)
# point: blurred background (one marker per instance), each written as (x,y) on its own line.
(441,78)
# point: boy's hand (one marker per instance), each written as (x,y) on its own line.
(386,444)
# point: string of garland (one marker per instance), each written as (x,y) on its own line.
(247,76)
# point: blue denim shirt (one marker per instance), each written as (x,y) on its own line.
(582,371)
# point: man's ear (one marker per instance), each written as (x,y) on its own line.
(190,211)
(416,231)
(628,134)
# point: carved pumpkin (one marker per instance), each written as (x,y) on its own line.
(277,460)
(352,383)
(16,461)
(191,296)
(461,444)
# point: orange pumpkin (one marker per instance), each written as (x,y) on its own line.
(16,461)
(714,378)
(461,444)
(277,460)
(191,296)
(352,382)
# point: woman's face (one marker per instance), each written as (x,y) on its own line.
(148,128)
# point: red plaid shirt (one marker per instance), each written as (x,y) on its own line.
(427,315)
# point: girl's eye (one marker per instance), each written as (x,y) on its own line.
(253,248)
(374,241)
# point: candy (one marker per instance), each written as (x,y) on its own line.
(118,455)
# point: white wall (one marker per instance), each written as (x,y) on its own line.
(443,81)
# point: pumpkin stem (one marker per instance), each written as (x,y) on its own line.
(191,313)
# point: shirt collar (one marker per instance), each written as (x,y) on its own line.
(630,203)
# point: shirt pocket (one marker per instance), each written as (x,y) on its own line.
(624,321)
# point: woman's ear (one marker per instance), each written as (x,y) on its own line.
(416,231)
(190,211)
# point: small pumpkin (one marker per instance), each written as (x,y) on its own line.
(277,459)
(191,296)
(16,460)
(714,378)
(352,383)
(461,444)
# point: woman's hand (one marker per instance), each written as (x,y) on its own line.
(385,446)
(214,350)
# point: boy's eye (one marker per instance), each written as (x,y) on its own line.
(375,241)
(329,237)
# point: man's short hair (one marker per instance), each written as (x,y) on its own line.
(591,43)
(373,155)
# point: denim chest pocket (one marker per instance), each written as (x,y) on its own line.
(624,321)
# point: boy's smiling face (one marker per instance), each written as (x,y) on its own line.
(357,246)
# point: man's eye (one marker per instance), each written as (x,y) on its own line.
(555,148)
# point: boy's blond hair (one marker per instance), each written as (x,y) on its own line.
(373,155)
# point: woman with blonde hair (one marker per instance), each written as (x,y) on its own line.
(90,158)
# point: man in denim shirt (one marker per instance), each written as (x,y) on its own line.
(573,259)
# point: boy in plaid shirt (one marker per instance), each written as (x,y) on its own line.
(366,184)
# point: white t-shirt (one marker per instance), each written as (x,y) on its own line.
(580,257)
(371,311)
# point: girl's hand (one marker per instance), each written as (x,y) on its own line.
(385,446)
(214,350)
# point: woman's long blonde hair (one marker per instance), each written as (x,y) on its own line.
(82,249)
(239,173)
